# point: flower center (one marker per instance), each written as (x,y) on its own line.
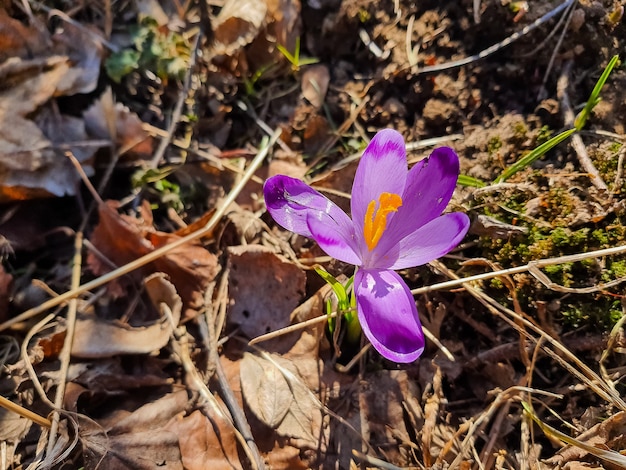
(376,219)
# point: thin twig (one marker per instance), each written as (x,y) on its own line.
(577,141)
(542,263)
(66,352)
(148,258)
(292,328)
(238,416)
(219,163)
(375,462)
(560,354)
(83,176)
(209,332)
(496,47)
(567,15)
(24,413)
(617,183)
(27,364)
(357,357)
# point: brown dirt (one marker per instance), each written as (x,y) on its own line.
(412,416)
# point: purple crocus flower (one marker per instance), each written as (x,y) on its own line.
(396,224)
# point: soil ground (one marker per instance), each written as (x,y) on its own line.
(175,101)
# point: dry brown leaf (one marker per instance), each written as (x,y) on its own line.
(32,143)
(29,83)
(237,25)
(50,172)
(13,428)
(279,453)
(285,167)
(264,289)
(285,21)
(95,337)
(265,389)
(6,282)
(386,418)
(248,226)
(609,434)
(431,413)
(106,119)
(23,146)
(85,54)
(582,466)
(111,376)
(316,134)
(137,441)
(18,40)
(277,395)
(206,442)
(315,80)
(123,239)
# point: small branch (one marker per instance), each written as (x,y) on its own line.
(23,412)
(496,47)
(66,352)
(209,336)
(541,263)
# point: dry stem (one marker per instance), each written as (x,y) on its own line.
(531,268)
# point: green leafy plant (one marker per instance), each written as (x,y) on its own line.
(155,181)
(594,98)
(549,144)
(250,83)
(159,50)
(294,59)
(346,305)
(533,155)
(579,122)
(465,180)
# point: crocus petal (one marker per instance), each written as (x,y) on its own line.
(388,315)
(429,242)
(429,187)
(383,168)
(337,240)
(290,201)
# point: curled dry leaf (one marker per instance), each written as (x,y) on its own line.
(256,26)
(106,119)
(13,428)
(123,239)
(237,24)
(607,435)
(264,289)
(97,338)
(315,80)
(32,145)
(84,53)
(285,21)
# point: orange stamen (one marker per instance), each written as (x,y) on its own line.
(376,219)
